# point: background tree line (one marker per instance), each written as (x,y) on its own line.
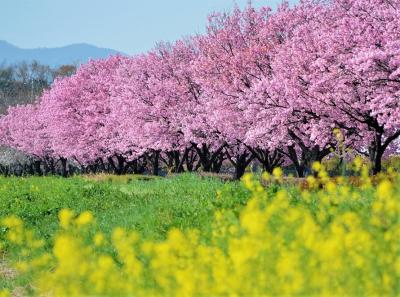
(22,83)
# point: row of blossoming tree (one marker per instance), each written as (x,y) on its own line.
(260,84)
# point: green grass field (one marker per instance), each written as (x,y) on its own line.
(150,206)
(333,237)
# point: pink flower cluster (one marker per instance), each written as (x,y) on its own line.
(259,84)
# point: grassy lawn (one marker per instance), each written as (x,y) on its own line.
(332,235)
(148,206)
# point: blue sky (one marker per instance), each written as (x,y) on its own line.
(130,26)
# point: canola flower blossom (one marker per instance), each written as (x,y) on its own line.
(331,239)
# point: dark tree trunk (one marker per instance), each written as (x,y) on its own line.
(46,167)
(378,148)
(190,160)
(138,166)
(119,166)
(51,166)
(72,169)
(64,172)
(308,156)
(168,161)
(111,163)
(240,169)
(175,161)
(155,160)
(268,160)
(28,169)
(295,160)
(207,158)
(377,164)
(217,163)
(37,168)
(240,163)
(376,151)
(102,166)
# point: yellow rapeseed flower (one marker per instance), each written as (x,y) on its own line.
(384,189)
(84,218)
(277,173)
(98,239)
(12,222)
(276,245)
(65,217)
(266,176)
(316,166)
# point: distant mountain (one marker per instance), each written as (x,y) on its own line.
(70,54)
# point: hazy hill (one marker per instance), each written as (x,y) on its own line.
(54,57)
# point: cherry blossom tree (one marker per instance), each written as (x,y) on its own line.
(150,89)
(233,58)
(340,68)
(76,111)
(22,129)
(272,86)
